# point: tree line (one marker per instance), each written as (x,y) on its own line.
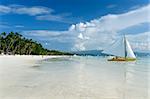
(14,43)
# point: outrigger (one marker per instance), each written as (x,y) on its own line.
(122,51)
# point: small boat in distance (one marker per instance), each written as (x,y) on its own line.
(122,51)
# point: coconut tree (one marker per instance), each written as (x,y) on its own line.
(2,41)
(16,44)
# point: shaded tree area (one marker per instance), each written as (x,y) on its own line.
(14,43)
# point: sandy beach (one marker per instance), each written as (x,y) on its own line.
(13,70)
(63,77)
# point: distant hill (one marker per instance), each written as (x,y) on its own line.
(89,52)
(99,53)
(141,54)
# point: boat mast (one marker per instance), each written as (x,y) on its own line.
(125,50)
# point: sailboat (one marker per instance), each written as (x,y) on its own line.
(122,51)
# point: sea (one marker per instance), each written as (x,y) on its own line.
(77,77)
(92,77)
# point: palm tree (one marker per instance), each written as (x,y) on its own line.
(3,34)
(2,42)
(16,44)
(9,41)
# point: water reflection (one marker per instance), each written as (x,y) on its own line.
(94,78)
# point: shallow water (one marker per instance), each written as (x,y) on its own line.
(82,78)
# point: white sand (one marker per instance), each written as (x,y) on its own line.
(78,78)
(13,70)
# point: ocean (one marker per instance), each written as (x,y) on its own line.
(91,77)
(76,77)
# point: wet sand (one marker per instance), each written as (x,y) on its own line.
(61,77)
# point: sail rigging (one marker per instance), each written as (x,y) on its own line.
(120,48)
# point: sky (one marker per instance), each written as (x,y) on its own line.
(71,25)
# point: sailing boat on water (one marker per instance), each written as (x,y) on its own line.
(122,51)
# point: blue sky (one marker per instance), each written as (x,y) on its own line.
(57,20)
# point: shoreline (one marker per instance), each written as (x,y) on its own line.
(6,61)
(26,58)
(23,76)
(15,71)
(38,57)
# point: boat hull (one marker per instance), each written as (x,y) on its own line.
(122,59)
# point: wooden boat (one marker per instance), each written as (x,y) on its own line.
(121,50)
(122,59)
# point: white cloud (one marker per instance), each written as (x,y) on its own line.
(64,17)
(51,17)
(4,9)
(100,33)
(140,41)
(4,25)
(20,9)
(45,35)
(32,10)
(40,12)
(103,31)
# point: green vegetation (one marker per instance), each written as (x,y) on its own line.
(14,43)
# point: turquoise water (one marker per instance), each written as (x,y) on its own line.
(75,77)
(92,78)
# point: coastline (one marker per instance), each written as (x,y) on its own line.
(25,59)
(14,69)
(26,77)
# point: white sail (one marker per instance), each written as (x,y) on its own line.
(129,50)
(117,49)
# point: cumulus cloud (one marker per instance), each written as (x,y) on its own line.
(100,33)
(140,41)
(103,31)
